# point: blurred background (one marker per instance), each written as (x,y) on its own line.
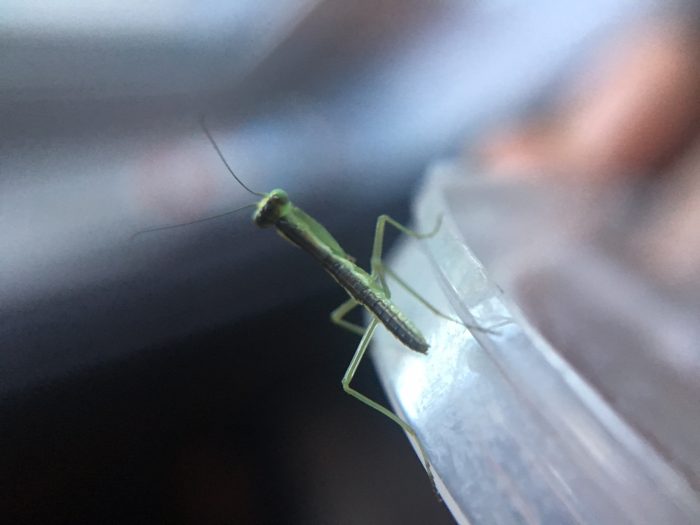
(191,375)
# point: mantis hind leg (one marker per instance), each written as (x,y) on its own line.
(378,268)
(344,309)
(347,378)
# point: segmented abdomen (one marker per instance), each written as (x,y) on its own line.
(357,283)
(386,311)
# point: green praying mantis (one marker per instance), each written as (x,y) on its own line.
(369,290)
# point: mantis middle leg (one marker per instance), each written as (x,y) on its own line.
(347,378)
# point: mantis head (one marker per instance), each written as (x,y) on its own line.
(270,208)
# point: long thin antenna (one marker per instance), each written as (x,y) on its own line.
(161,228)
(221,156)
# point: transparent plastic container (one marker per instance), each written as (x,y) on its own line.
(531,419)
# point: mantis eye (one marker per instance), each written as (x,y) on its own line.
(280,199)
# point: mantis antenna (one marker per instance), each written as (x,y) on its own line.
(223,159)
(171,226)
(203,123)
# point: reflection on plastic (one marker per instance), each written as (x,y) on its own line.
(514,433)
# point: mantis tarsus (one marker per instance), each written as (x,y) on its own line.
(370,290)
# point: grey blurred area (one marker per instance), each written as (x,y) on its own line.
(573,399)
(342,104)
(100,140)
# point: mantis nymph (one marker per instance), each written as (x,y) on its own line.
(370,290)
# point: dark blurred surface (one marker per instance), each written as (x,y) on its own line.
(237,425)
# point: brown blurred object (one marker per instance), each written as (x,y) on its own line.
(633,111)
(669,243)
